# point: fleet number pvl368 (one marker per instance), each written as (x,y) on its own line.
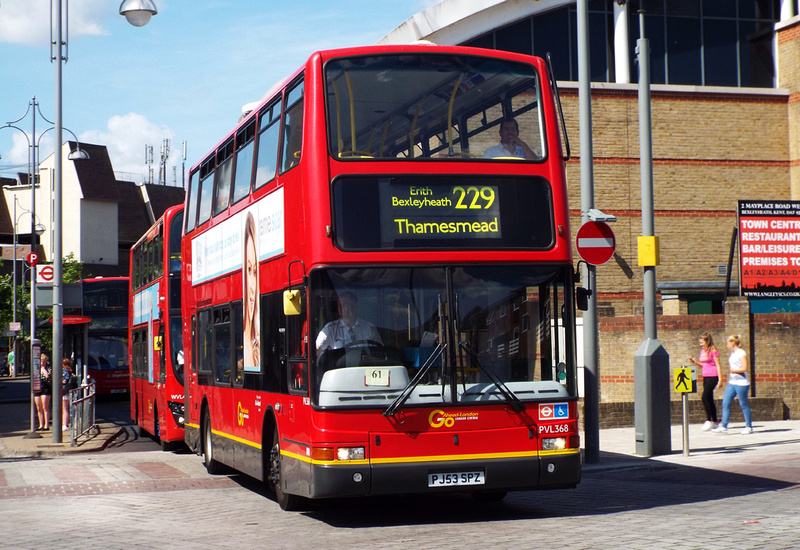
(552,429)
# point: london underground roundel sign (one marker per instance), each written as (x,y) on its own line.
(595,242)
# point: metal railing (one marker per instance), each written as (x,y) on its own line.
(82,412)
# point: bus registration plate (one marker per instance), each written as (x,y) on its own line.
(456,478)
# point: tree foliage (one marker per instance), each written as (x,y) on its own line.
(72,272)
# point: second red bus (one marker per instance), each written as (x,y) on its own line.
(157,395)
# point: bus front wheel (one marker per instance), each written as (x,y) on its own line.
(286,501)
(212,466)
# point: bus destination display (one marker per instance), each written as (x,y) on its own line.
(443,212)
(427,212)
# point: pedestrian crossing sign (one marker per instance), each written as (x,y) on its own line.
(684,380)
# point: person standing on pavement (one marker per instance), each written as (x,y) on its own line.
(68,383)
(738,387)
(712,375)
(45,393)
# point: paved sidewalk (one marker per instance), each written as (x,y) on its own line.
(706,449)
(15,427)
(617,445)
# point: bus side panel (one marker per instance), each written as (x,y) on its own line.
(221,428)
(296,476)
(248,459)
(191,435)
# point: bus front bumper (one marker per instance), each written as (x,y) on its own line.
(552,471)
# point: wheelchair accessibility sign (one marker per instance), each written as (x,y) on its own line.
(553,411)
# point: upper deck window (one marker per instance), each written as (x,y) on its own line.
(224,173)
(293,127)
(268,140)
(191,200)
(245,140)
(431,106)
(205,191)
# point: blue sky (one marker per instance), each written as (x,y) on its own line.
(185,76)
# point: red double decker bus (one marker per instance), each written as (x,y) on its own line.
(105,303)
(156,332)
(373,283)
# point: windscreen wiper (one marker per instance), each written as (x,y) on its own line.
(509,395)
(406,393)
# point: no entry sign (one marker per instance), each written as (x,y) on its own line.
(595,242)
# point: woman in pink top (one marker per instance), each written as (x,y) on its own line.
(712,374)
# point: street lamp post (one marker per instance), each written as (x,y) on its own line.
(33,147)
(38,231)
(138,13)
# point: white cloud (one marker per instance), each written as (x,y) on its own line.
(126,139)
(28,21)
(15,160)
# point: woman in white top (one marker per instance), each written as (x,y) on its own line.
(738,386)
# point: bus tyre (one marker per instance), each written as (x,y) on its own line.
(286,501)
(212,466)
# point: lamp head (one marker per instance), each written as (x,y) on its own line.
(138,12)
(78,154)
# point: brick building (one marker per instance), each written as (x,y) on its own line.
(725,127)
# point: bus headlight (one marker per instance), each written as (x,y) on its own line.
(176,408)
(554,444)
(350,453)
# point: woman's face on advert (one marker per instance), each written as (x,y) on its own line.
(251,274)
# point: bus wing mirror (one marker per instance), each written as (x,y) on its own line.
(582,297)
(291,302)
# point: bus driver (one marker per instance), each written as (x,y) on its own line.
(348,328)
(510,143)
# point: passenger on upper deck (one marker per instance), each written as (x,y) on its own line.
(348,328)
(510,143)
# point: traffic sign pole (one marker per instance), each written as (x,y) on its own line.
(684,383)
(685,401)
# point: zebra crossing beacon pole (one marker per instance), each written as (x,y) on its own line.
(651,360)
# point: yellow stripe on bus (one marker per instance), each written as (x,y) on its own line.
(402,459)
(430,458)
(560,452)
(237,439)
(442,458)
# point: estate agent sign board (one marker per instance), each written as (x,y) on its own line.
(769,248)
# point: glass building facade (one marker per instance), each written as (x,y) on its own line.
(692,42)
